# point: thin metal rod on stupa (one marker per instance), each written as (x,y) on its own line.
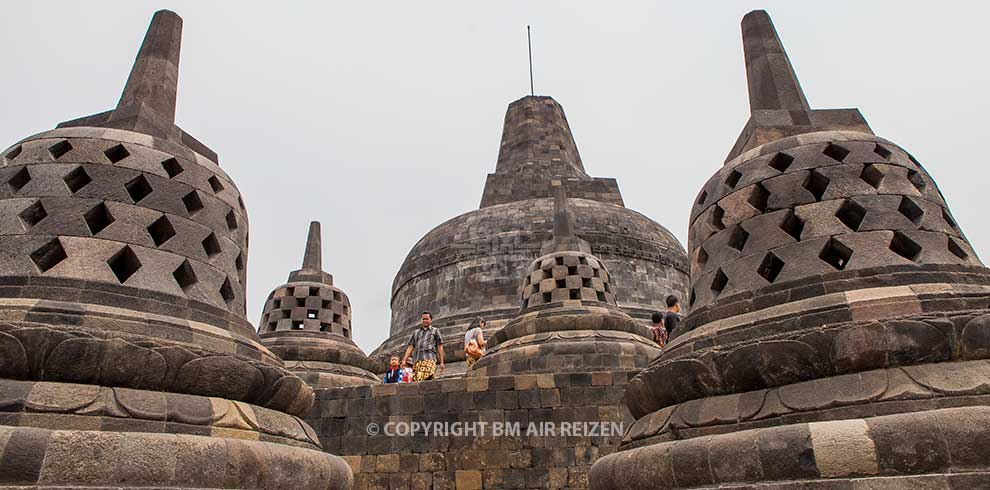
(529,42)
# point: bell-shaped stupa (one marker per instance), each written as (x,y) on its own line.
(307,323)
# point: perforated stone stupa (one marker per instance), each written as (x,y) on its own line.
(839,328)
(569,319)
(307,323)
(470,265)
(125,357)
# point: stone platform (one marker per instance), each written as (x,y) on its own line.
(341,417)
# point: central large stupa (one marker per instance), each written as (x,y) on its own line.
(470,265)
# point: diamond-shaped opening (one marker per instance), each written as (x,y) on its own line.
(717,214)
(300,302)
(872,175)
(161,230)
(702,197)
(33,214)
(185,276)
(12,154)
(816,183)
(836,254)
(116,153)
(346,332)
(547,298)
(910,210)
(124,264)
(733,179)
(601,296)
(917,180)
(949,220)
(957,249)
(337,318)
(239,262)
(324,327)
(193,203)
(781,162)
(719,282)
(738,238)
(76,179)
(561,284)
(792,225)
(311,314)
(240,202)
(227,292)
(231,220)
(758,198)
(575,294)
(314,291)
(905,247)
(295,325)
(215,184)
(211,246)
(98,218)
(851,214)
(172,167)
(138,188)
(692,298)
(835,152)
(48,255)
(326,304)
(770,267)
(702,257)
(337,296)
(59,149)
(19,180)
(882,151)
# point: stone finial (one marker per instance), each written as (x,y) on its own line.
(563,225)
(772,82)
(147,104)
(563,220)
(153,82)
(313,257)
(778,107)
(312,265)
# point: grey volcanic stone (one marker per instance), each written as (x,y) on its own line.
(470,266)
(307,323)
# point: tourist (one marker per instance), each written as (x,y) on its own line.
(658,329)
(394,372)
(474,341)
(673,315)
(407,373)
(426,348)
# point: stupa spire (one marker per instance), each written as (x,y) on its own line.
(312,264)
(154,78)
(778,107)
(772,82)
(313,257)
(563,225)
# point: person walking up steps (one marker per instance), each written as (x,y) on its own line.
(426,348)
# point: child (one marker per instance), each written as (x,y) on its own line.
(393,374)
(407,373)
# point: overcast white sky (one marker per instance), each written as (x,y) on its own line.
(380,119)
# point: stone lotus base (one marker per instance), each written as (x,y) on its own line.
(567,336)
(61,435)
(935,449)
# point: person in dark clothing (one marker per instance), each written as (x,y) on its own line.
(658,329)
(673,314)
